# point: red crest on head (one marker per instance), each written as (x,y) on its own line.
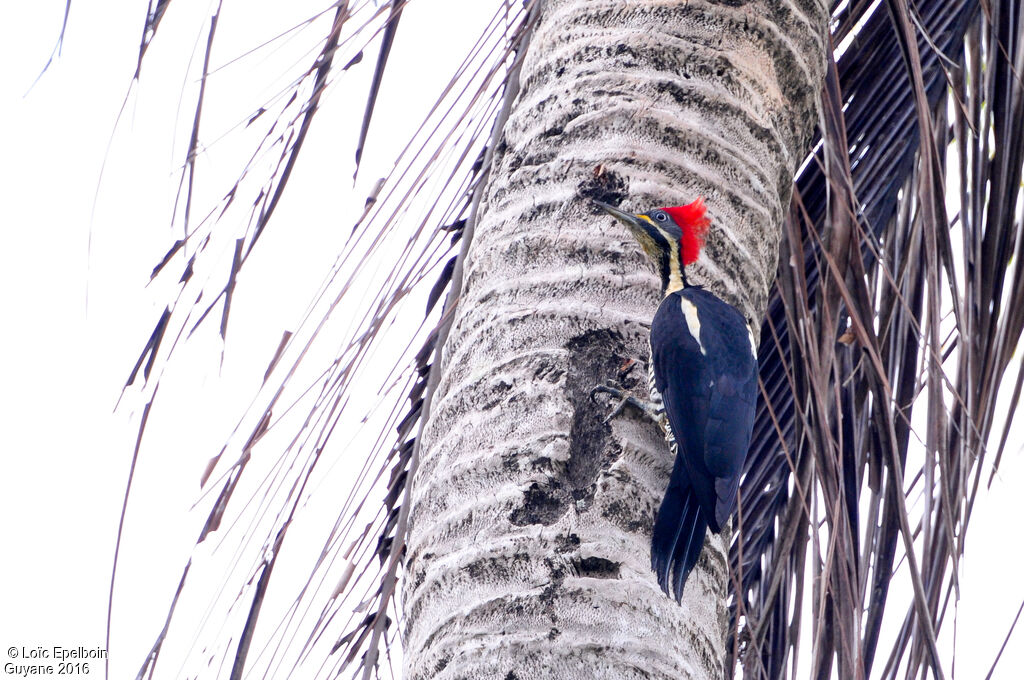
(691,220)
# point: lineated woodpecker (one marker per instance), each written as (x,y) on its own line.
(703,383)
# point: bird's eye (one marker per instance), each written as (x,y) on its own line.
(660,216)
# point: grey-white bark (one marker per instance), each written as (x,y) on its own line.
(528,553)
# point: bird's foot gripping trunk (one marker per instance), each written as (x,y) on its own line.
(652,410)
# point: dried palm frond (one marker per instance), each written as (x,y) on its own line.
(897,303)
(345,608)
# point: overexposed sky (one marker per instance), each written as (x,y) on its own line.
(76,309)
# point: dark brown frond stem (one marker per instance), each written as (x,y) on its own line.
(378,75)
(931,193)
(120,524)
(189,168)
(1002,648)
(58,46)
(267,568)
(154,15)
(322,67)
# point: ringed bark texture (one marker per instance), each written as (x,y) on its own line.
(529,547)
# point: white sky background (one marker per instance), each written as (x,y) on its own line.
(64,363)
(64,452)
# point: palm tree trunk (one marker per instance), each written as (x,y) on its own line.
(528,552)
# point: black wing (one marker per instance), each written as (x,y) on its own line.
(709,387)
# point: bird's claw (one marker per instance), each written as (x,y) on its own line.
(607,389)
(624,400)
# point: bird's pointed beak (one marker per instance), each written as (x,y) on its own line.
(635,224)
(643,231)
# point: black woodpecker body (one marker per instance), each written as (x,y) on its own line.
(703,381)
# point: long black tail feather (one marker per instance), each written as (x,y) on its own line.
(678,537)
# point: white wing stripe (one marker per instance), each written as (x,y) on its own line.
(692,322)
